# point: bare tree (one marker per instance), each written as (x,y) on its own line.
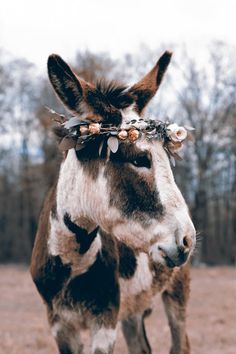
(207,101)
(202,97)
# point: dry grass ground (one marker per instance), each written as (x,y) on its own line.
(211,315)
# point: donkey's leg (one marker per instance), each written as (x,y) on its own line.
(103,339)
(175,300)
(135,334)
(68,341)
(66,335)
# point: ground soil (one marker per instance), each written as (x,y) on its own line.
(211,320)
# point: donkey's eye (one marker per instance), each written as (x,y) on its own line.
(141,161)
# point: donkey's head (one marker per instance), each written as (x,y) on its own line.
(131,192)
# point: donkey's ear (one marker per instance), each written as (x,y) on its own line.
(146,88)
(67,85)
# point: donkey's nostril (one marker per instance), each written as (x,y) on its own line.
(187,242)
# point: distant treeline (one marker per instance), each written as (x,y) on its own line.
(203,97)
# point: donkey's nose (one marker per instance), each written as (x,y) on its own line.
(186,243)
(175,257)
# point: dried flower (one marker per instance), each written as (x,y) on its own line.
(122,135)
(80,133)
(94,128)
(176,133)
(133,135)
(84,130)
(174,146)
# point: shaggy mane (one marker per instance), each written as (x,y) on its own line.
(115,93)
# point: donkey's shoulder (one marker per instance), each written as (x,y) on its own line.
(48,272)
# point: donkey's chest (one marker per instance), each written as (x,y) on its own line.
(109,276)
(136,292)
(109,287)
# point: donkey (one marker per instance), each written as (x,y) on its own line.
(114,230)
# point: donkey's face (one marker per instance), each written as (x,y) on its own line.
(131,194)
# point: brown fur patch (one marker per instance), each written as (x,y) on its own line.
(179,286)
(82,236)
(127,260)
(135,195)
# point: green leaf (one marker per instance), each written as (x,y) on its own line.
(113,144)
(67,143)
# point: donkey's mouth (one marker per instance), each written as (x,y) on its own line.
(169,262)
(170,257)
(176,261)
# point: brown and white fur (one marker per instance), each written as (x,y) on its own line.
(115,229)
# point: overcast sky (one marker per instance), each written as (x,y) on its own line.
(34,29)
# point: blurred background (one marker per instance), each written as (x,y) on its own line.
(121,40)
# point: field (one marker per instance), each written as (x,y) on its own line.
(211,315)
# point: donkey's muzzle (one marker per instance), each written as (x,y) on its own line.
(174,252)
(175,257)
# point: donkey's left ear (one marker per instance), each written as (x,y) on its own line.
(146,88)
(68,86)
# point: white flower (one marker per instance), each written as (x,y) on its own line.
(176,133)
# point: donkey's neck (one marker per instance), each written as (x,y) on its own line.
(73,233)
(77,193)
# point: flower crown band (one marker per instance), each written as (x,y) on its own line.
(81,132)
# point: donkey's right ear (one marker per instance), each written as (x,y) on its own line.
(67,85)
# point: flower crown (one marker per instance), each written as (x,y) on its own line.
(81,132)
